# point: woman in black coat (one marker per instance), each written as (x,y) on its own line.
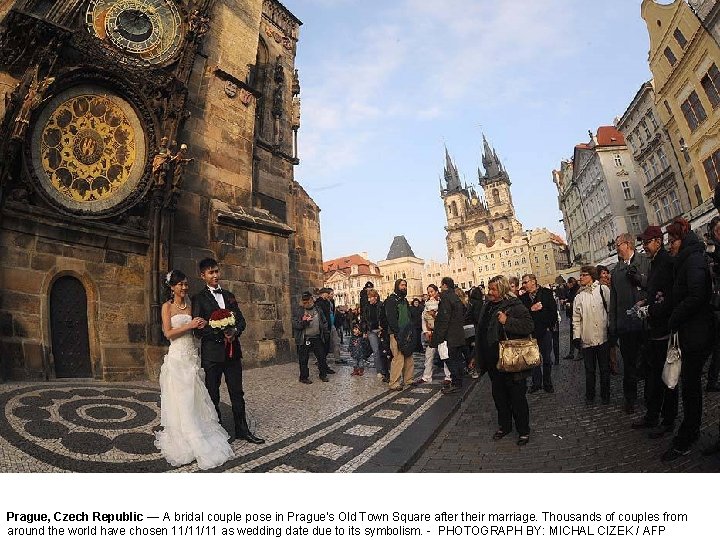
(692,319)
(503,316)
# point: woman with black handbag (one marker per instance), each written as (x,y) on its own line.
(503,317)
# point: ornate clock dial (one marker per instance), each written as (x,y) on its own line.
(148,29)
(88,150)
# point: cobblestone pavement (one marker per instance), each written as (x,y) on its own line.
(566,435)
(338,426)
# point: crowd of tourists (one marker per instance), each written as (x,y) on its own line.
(622,321)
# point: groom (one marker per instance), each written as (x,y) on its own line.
(213,356)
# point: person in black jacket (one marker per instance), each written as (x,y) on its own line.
(371,324)
(397,315)
(692,319)
(311,332)
(571,289)
(416,317)
(543,309)
(503,316)
(713,257)
(658,397)
(449,327)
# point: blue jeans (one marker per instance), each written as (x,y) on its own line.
(542,375)
(375,346)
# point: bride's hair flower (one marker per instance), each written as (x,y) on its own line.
(167,278)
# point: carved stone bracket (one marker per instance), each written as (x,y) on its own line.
(235,87)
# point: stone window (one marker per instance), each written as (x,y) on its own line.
(693,111)
(618,160)
(666,207)
(712,169)
(680,38)
(627,192)
(663,159)
(648,135)
(651,117)
(670,56)
(496,196)
(653,164)
(675,202)
(453,205)
(711,84)
(658,212)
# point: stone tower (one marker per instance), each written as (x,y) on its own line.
(474,221)
(138,136)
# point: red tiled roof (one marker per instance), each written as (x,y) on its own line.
(609,136)
(341,263)
(606,136)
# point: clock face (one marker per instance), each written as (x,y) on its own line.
(88,150)
(148,29)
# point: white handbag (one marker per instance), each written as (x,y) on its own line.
(443,350)
(673,363)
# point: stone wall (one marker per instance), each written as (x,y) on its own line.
(305,247)
(34,253)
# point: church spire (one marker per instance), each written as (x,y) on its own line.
(494,169)
(452,177)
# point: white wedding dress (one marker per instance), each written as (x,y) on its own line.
(191,430)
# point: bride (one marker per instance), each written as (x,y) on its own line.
(191,430)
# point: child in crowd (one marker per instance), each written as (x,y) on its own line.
(359,349)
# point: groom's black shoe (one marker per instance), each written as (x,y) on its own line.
(249,437)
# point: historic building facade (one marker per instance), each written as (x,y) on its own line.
(600,195)
(401,263)
(348,275)
(484,236)
(137,137)
(685,62)
(664,190)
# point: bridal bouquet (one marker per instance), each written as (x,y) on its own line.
(223,321)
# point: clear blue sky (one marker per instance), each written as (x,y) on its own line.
(385,83)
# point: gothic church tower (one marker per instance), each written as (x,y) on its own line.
(473,222)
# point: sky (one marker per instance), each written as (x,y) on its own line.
(386,84)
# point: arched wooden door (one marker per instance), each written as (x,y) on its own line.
(69,328)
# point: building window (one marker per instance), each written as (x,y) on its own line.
(711,84)
(698,194)
(663,159)
(675,202)
(646,170)
(635,224)
(658,213)
(653,165)
(496,195)
(453,205)
(666,207)
(680,38)
(670,56)
(651,117)
(627,192)
(618,160)
(546,257)
(693,111)
(648,135)
(712,169)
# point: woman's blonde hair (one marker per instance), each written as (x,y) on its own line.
(503,286)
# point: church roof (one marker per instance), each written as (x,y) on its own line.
(399,248)
(606,136)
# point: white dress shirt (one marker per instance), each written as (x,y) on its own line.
(218,298)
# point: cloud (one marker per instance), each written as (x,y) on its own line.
(419,60)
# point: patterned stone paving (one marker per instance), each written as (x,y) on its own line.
(104,427)
(566,435)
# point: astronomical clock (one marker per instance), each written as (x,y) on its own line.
(109,86)
(150,30)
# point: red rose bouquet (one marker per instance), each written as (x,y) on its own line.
(223,321)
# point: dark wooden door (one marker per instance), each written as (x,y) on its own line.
(69,328)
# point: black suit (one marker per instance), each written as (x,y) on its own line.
(214,358)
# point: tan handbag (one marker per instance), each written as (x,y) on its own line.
(518,354)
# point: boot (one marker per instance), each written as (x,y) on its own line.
(242,431)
